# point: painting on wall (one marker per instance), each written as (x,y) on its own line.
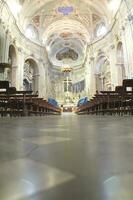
(67,53)
(78,87)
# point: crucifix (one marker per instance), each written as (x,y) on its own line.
(67,82)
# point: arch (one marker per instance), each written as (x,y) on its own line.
(120,63)
(31,73)
(103,74)
(12,59)
(12,56)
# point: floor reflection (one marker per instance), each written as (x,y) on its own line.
(66,157)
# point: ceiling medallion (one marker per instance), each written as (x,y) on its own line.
(65,10)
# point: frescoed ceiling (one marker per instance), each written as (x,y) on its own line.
(65,24)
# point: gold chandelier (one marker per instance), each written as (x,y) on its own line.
(66,69)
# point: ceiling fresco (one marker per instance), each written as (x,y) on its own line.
(65,24)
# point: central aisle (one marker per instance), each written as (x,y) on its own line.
(66,157)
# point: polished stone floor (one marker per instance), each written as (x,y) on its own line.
(66,157)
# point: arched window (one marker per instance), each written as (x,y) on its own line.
(31,32)
(101,30)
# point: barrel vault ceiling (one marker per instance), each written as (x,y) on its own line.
(65,27)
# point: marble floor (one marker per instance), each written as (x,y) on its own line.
(66,157)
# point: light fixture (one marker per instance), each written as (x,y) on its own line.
(66,69)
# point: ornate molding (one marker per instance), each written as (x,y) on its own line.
(32,55)
(20,49)
(112,46)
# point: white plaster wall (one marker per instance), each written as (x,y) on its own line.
(122,30)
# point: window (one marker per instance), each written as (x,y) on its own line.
(101,30)
(31,32)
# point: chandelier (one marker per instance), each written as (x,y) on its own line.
(66,69)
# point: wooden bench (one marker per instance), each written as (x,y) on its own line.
(118,102)
(23,103)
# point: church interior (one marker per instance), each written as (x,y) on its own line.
(66,99)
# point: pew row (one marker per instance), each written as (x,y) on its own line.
(118,102)
(23,103)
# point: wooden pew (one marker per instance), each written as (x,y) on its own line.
(23,103)
(4,85)
(118,102)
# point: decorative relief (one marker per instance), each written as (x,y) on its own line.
(36,20)
(20,49)
(117,38)
(112,46)
(28,76)
(28,72)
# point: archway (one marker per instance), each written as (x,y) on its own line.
(103,74)
(30,78)
(11,72)
(120,63)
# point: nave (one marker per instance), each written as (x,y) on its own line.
(66,157)
(66,99)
